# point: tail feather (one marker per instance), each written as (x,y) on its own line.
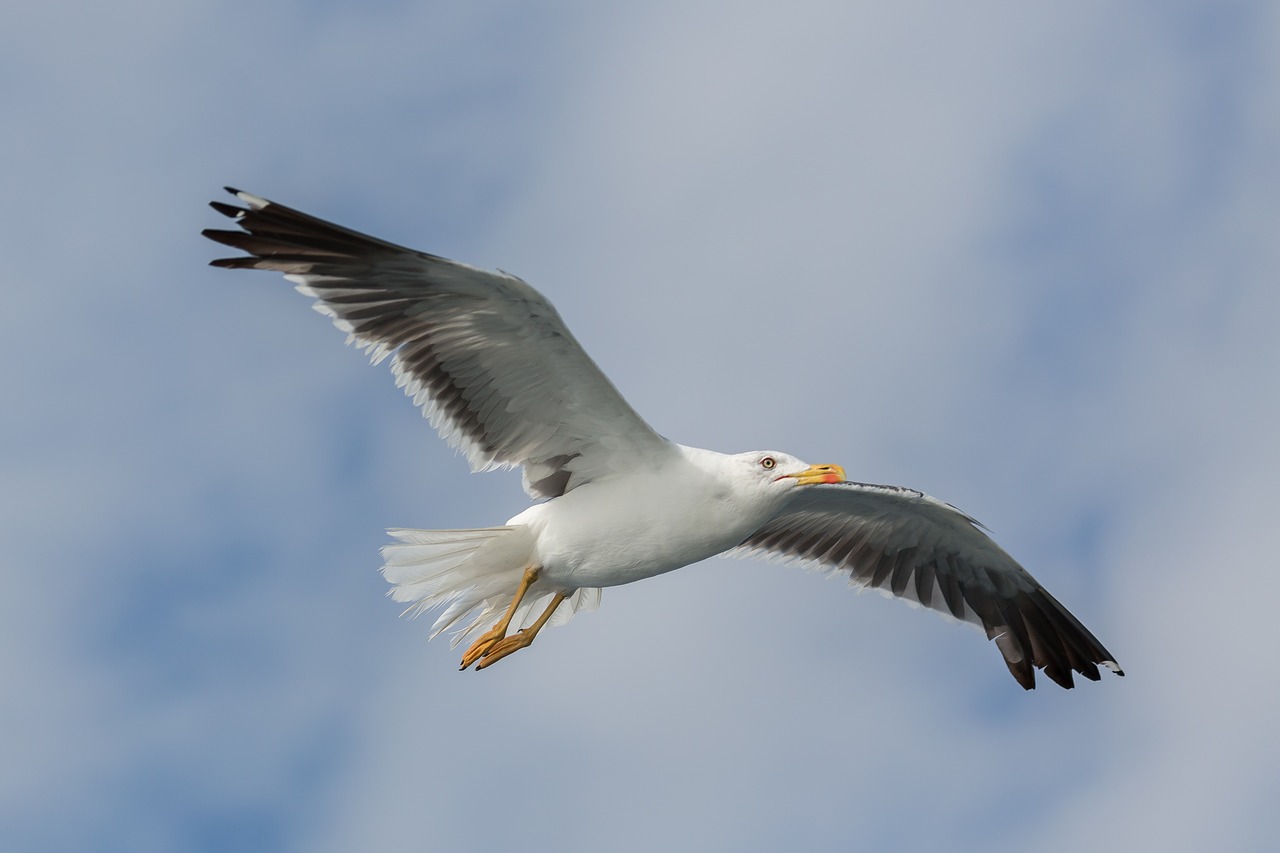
(422,554)
(470,573)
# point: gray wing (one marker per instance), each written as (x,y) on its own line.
(909,545)
(485,355)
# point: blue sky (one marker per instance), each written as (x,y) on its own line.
(1021,258)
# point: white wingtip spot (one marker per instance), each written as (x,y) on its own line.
(255,202)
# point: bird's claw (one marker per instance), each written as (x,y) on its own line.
(504,647)
(481,646)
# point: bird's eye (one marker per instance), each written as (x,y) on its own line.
(768,462)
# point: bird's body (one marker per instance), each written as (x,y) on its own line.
(622,529)
(499,374)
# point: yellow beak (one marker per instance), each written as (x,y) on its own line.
(815,474)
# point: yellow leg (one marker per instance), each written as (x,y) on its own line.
(515,642)
(499,630)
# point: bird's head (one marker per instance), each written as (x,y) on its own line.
(776,471)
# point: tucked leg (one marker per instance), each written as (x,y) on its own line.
(515,642)
(499,630)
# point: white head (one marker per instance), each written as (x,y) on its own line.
(772,472)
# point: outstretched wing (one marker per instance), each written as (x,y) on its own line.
(909,545)
(485,355)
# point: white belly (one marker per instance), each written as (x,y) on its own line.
(617,531)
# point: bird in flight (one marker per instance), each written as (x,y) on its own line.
(499,375)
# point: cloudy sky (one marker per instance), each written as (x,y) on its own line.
(1024,259)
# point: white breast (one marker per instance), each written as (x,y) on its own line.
(618,530)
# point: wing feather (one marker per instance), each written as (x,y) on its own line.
(485,356)
(909,545)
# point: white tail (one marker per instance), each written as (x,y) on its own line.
(470,572)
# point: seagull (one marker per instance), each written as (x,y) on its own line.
(498,374)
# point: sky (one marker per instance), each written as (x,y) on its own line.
(1019,256)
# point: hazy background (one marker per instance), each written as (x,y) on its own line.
(1022,258)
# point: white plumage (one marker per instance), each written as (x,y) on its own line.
(500,376)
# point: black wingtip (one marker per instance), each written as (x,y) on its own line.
(226,238)
(1024,673)
(228,210)
(232,190)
